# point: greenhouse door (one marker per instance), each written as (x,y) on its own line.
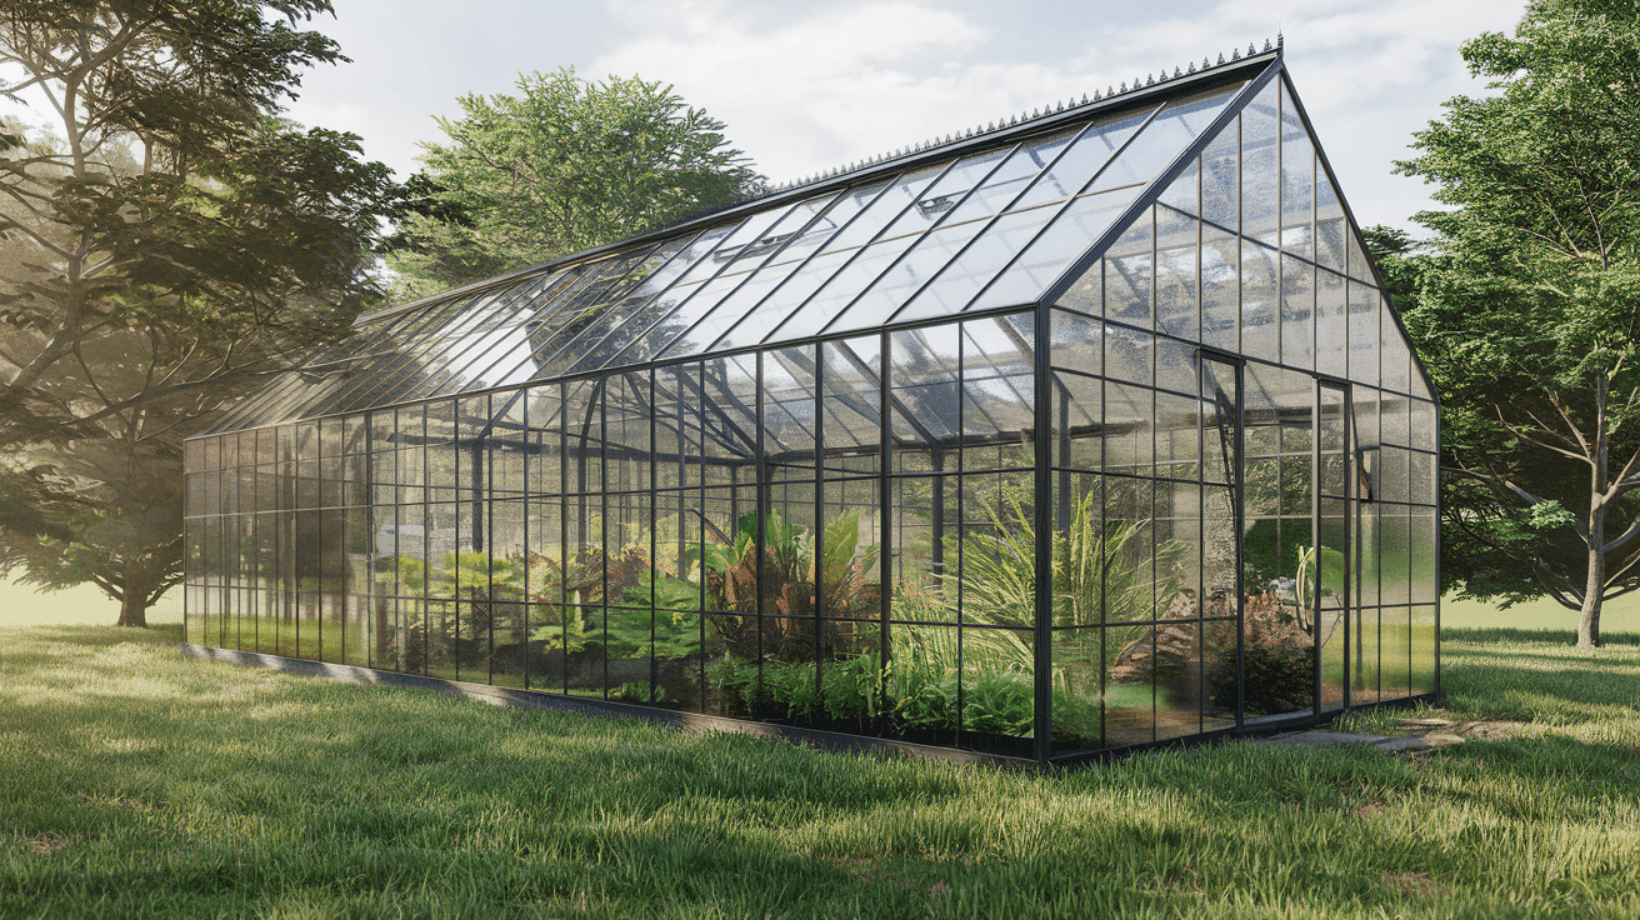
(1296,546)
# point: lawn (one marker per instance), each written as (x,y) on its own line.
(136,783)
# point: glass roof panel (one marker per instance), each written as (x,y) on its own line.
(765,310)
(356,358)
(1079,164)
(410,354)
(405,357)
(712,315)
(634,313)
(941,198)
(842,288)
(553,327)
(439,367)
(960,280)
(508,342)
(700,288)
(906,277)
(549,329)
(906,190)
(1161,141)
(1082,224)
(1013,176)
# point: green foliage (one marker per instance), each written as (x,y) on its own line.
(1527,302)
(166,243)
(562,166)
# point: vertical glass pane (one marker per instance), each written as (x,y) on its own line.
(1130,273)
(1297,179)
(1221,178)
(1363,332)
(1260,164)
(1279,637)
(1297,313)
(1260,302)
(1331,325)
(1221,290)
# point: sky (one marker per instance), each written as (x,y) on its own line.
(804,87)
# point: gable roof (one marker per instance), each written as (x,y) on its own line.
(993,220)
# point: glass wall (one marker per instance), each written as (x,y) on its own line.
(1022,450)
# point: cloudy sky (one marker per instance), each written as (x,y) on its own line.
(807,86)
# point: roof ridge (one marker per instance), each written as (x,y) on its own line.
(1014,121)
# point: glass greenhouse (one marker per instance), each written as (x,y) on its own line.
(1088,430)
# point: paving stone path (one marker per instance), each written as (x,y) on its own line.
(1420,735)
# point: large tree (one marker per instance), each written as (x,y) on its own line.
(563,166)
(1528,308)
(165,244)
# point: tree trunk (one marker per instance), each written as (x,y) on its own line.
(133,610)
(134,603)
(1588,623)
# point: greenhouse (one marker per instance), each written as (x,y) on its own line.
(1085,430)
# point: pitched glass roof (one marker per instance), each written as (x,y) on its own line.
(987,222)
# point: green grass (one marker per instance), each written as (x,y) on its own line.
(136,783)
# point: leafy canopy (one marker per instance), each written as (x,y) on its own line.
(165,244)
(563,166)
(1528,303)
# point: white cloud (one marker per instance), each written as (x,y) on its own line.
(807,91)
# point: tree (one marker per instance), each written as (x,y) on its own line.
(1528,309)
(564,166)
(167,245)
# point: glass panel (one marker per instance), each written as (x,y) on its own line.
(1076,343)
(766,309)
(1078,165)
(1396,355)
(1363,306)
(1077,228)
(1221,178)
(1161,141)
(711,312)
(1221,289)
(703,285)
(1260,163)
(1011,178)
(1331,325)
(1297,178)
(841,288)
(1357,266)
(1278,639)
(625,320)
(1129,273)
(852,405)
(1177,273)
(959,281)
(1260,302)
(906,277)
(1422,677)
(1297,312)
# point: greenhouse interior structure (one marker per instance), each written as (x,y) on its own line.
(1091,430)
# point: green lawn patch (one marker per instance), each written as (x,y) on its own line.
(137,783)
